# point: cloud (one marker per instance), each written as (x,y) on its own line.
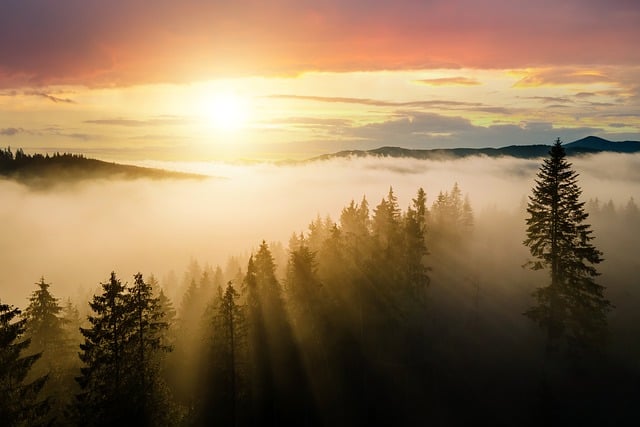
(80,136)
(436,103)
(550,99)
(312,122)
(139,123)
(449,81)
(439,104)
(10,131)
(563,76)
(430,130)
(585,94)
(52,98)
(123,42)
(75,235)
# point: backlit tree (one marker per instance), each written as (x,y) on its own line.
(571,308)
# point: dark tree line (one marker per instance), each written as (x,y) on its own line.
(10,161)
(347,332)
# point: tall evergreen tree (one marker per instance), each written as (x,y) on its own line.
(103,400)
(186,359)
(19,401)
(167,313)
(44,326)
(224,396)
(572,307)
(279,390)
(120,379)
(46,329)
(145,349)
(415,247)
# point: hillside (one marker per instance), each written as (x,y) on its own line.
(590,144)
(44,170)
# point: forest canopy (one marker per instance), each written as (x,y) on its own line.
(388,313)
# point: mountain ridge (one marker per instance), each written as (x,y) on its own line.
(587,145)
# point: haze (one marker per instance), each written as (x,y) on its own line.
(75,235)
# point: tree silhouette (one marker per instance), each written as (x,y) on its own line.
(49,337)
(223,398)
(44,326)
(279,386)
(571,307)
(145,348)
(120,378)
(101,401)
(19,404)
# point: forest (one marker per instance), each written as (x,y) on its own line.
(385,315)
(43,171)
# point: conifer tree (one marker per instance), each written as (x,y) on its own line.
(224,398)
(280,393)
(120,378)
(149,395)
(46,329)
(44,326)
(415,247)
(572,307)
(19,401)
(103,400)
(167,313)
(386,223)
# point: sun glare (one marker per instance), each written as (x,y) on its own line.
(226,111)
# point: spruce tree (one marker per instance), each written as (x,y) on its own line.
(103,400)
(572,307)
(45,328)
(279,391)
(19,402)
(144,356)
(122,354)
(415,247)
(224,397)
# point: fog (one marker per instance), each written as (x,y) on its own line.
(76,234)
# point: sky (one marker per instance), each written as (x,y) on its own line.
(199,80)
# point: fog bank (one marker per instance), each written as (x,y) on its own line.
(75,235)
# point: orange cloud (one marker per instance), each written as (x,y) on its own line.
(449,81)
(123,42)
(563,76)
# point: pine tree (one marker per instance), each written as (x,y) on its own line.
(280,392)
(19,402)
(415,247)
(386,223)
(144,355)
(166,312)
(572,307)
(103,400)
(45,328)
(186,359)
(224,396)
(122,351)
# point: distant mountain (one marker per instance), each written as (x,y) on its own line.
(39,170)
(590,144)
(593,143)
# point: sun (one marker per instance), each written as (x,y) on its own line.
(226,111)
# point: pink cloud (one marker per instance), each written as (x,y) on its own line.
(124,42)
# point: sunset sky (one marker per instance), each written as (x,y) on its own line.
(205,80)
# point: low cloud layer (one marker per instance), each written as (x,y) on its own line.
(75,235)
